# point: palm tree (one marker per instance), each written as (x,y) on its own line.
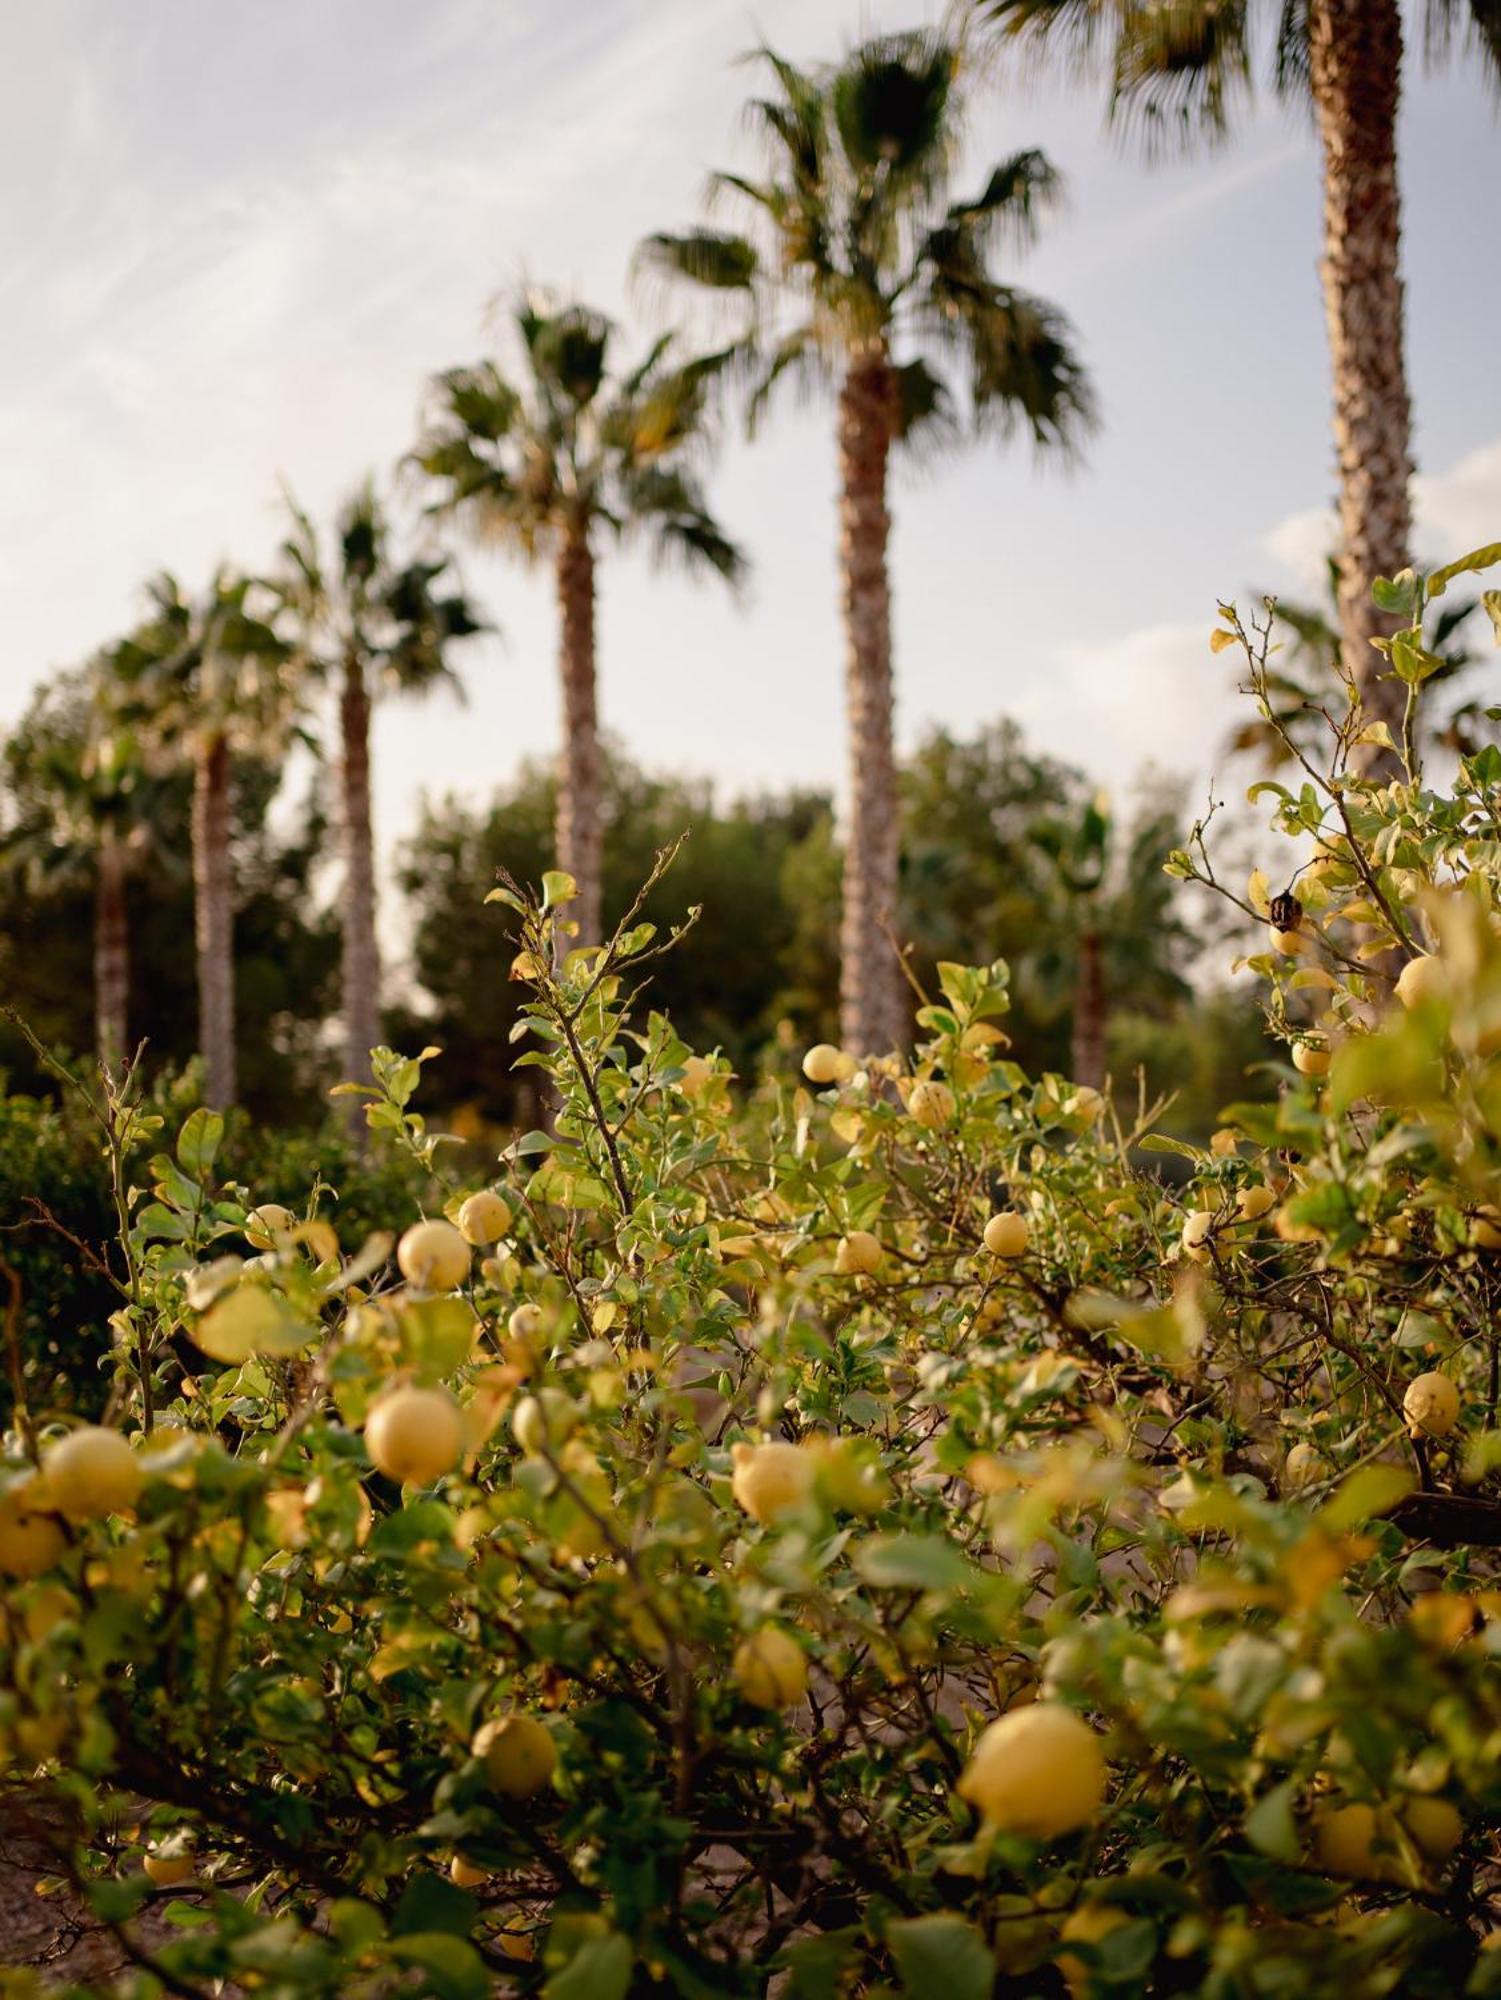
(368,624)
(864,275)
(207,679)
(1178,67)
(544,468)
(83,804)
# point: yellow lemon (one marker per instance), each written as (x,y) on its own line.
(433,1256)
(1431,1405)
(1311,1058)
(518,1754)
(1038,1771)
(1198,1227)
(90,1473)
(770,1480)
(771,1669)
(824,1064)
(1421,980)
(546,1419)
(31,1542)
(1007,1234)
(166,1870)
(931,1104)
(859,1254)
(415,1435)
(1435,1826)
(1253,1202)
(464,1875)
(484,1218)
(264,1224)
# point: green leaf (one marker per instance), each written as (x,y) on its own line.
(428,1903)
(941,1957)
(599,1970)
(818,1963)
(198,1142)
(1477,559)
(1394,593)
(913,1562)
(1370,1491)
(1270,1826)
(437,1335)
(455,1970)
(251,1320)
(558,886)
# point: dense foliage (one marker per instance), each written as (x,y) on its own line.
(868,1535)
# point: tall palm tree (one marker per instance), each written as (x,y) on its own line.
(366,623)
(208,678)
(865,274)
(83,803)
(1177,67)
(545,467)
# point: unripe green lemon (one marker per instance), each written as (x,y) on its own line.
(824,1064)
(415,1435)
(1352,1843)
(1007,1234)
(859,1253)
(544,1420)
(264,1224)
(1435,1826)
(518,1754)
(771,1669)
(484,1218)
(931,1105)
(1038,1771)
(90,1473)
(770,1480)
(31,1542)
(1431,1405)
(433,1256)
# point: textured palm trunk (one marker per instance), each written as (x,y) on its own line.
(580,831)
(111,952)
(872,1003)
(360,958)
(213,921)
(1090,1014)
(1355,53)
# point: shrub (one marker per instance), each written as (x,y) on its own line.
(687,1679)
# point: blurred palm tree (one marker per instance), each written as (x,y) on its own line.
(1307,690)
(545,466)
(84,803)
(866,275)
(204,679)
(1180,69)
(366,623)
(1107,919)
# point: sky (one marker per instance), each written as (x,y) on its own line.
(240,238)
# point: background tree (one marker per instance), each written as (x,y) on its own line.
(83,807)
(866,275)
(366,623)
(1179,72)
(543,466)
(209,678)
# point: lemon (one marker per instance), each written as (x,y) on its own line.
(824,1064)
(518,1754)
(433,1256)
(1311,1058)
(1007,1234)
(166,1870)
(770,1480)
(464,1875)
(770,1669)
(1422,980)
(90,1473)
(31,1542)
(1431,1405)
(1301,1465)
(548,1418)
(1435,1826)
(1038,1771)
(858,1254)
(1346,1840)
(931,1105)
(415,1435)
(1253,1202)
(484,1218)
(264,1224)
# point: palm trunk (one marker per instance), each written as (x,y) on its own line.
(1355,56)
(872,1005)
(1090,1014)
(360,960)
(111,952)
(580,835)
(213,921)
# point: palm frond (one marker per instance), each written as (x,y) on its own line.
(798,123)
(1474,24)
(1019,192)
(709,257)
(1180,65)
(890,100)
